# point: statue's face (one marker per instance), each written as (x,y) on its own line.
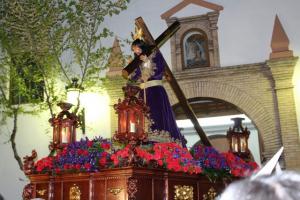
(137,50)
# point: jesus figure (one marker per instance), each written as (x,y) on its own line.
(149,74)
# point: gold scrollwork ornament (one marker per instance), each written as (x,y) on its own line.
(41,192)
(115,191)
(74,192)
(211,194)
(184,192)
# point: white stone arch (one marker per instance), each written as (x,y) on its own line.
(255,110)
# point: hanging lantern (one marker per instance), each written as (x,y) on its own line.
(73,91)
(132,116)
(238,138)
(64,127)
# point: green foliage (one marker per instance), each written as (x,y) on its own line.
(62,39)
(26,53)
(85,31)
(43,42)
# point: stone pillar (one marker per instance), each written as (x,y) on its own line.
(282,71)
(213,42)
(114,81)
(113,85)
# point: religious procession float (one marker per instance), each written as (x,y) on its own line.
(139,162)
(132,165)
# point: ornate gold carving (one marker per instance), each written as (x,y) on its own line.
(115,191)
(28,163)
(74,192)
(28,192)
(211,194)
(132,188)
(138,34)
(41,192)
(183,192)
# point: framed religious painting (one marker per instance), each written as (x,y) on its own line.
(195,50)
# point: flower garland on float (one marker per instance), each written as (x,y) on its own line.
(97,154)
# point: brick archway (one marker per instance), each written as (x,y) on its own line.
(247,104)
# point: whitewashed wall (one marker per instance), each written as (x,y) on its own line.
(34,132)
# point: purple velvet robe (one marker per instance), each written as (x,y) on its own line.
(157,99)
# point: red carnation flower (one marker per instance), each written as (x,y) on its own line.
(105,145)
(90,143)
(78,166)
(102,161)
(87,166)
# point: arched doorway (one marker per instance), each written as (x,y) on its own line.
(261,114)
(215,118)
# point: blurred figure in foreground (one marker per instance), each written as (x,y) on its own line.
(283,186)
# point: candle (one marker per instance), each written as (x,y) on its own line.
(236,148)
(132,127)
(64,136)
(234,144)
(243,145)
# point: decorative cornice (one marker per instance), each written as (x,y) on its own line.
(195,18)
(185,3)
(217,71)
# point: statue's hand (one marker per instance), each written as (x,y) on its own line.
(143,58)
(125,74)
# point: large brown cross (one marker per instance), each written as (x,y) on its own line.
(139,22)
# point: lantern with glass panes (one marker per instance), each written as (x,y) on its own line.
(64,127)
(74,91)
(133,116)
(238,138)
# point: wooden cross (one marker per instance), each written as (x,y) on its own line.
(139,22)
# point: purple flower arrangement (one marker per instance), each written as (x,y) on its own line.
(209,158)
(82,156)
